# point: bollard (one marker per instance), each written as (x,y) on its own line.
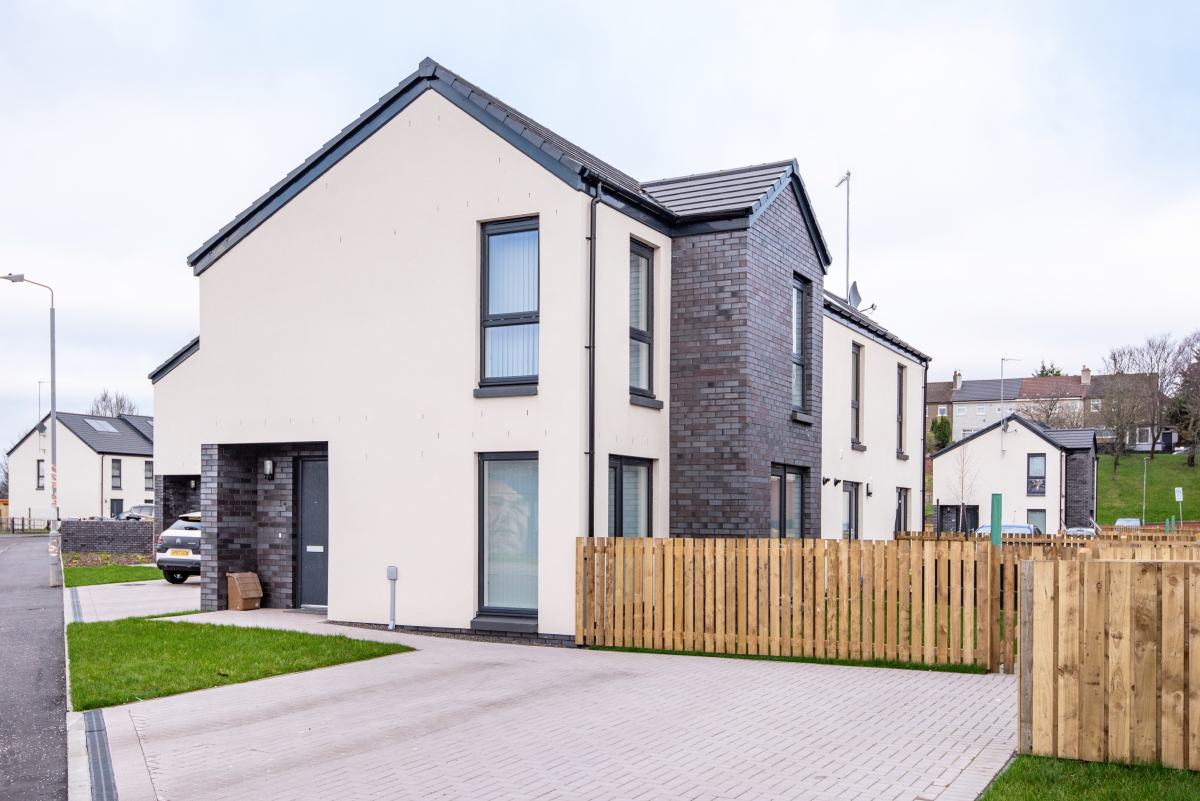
(391,574)
(55,556)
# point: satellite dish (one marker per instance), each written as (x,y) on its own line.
(855,299)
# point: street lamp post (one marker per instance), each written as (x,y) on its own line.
(1145,461)
(1002,424)
(17,279)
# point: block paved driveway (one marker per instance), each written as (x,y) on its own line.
(470,720)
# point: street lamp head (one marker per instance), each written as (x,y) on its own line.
(16,279)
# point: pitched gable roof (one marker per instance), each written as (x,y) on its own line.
(728,204)
(127,440)
(177,358)
(837,307)
(1060,438)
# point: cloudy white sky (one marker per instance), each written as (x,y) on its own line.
(1026,175)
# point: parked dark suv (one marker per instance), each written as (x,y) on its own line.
(177,554)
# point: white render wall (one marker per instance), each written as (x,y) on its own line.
(970,473)
(352,317)
(177,433)
(84,478)
(878,465)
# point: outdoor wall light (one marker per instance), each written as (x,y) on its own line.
(869,493)
(269,469)
(837,481)
(192,483)
(824,481)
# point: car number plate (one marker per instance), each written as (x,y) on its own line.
(180,553)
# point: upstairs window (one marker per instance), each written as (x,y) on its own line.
(855,393)
(41,474)
(980,409)
(900,386)
(149,485)
(801,291)
(510,317)
(641,319)
(942,410)
(1036,474)
(116,474)
(1095,404)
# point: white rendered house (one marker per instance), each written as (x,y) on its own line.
(105,466)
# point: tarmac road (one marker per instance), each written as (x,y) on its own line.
(33,704)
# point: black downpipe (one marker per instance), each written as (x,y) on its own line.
(591,526)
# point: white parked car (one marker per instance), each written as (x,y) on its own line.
(1129,522)
(177,553)
(1083,531)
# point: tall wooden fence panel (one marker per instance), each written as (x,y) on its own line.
(1110,661)
(928,602)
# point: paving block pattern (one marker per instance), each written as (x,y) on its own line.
(468,720)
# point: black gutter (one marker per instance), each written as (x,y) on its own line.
(591,526)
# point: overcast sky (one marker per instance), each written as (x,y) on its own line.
(1026,177)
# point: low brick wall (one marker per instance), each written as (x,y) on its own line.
(108,536)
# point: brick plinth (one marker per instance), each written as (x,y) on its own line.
(108,536)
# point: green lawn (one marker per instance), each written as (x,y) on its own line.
(109,574)
(137,659)
(878,663)
(1123,497)
(1032,778)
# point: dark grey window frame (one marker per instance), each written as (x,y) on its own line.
(783,471)
(116,471)
(500,456)
(41,474)
(647,336)
(149,468)
(855,393)
(1030,487)
(803,323)
(852,488)
(901,388)
(903,508)
(515,318)
(619,462)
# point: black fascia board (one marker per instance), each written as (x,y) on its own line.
(875,331)
(1014,417)
(170,364)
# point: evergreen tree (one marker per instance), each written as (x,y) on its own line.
(1048,372)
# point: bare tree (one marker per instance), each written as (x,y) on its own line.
(112,404)
(964,480)
(1185,407)
(3,476)
(1162,361)
(1123,398)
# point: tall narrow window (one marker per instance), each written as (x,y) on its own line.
(849,510)
(855,393)
(1036,517)
(641,319)
(1036,478)
(787,502)
(901,509)
(900,371)
(800,290)
(149,486)
(629,496)
(41,474)
(510,302)
(116,474)
(508,527)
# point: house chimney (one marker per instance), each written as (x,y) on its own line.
(957,380)
(1085,376)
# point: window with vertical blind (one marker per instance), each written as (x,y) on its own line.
(641,319)
(801,290)
(629,496)
(508,531)
(510,300)
(149,485)
(856,393)
(787,502)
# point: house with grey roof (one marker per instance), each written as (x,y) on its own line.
(541,347)
(105,466)
(1046,476)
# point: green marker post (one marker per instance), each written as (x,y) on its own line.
(997,513)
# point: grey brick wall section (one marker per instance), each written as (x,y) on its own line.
(174,496)
(1080,490)
(731,309)
(108,536)
(248,521)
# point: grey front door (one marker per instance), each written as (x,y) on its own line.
(314,532)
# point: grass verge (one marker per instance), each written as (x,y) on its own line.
(1031,778)
(811,660)
(1165,472)
(137,659)
(109,574)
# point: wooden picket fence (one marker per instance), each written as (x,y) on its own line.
(931,602)
(1109,535)
(1110,660)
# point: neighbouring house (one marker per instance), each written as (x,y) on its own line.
(872,449)
(1047,476)
(105,466)
(1069,401)
(370,387)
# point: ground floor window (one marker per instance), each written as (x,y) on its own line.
(629,497)
(901,509)
(787,502)
(1036,517)
(508,484)
(850,510)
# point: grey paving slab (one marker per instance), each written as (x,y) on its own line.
(472,720)
(136,598)
(33,705)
